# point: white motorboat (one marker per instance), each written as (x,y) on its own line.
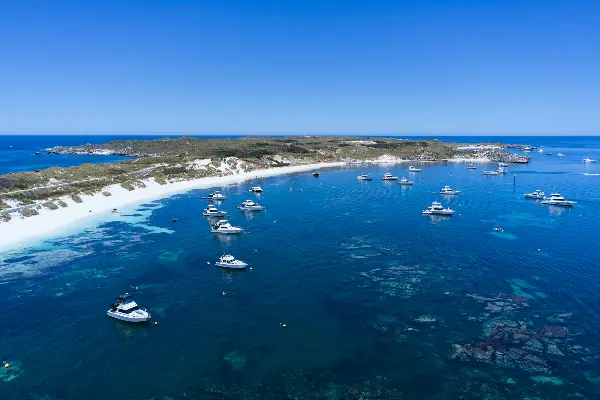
(413,169)
(223,226)
(502,170)
(389,177)
(229,261)
(216,196)
(249,205)
(449,191)
(406,182)
(126,309)
(436,208)
(364,177)
(538,194)
(560,155)
(471,166)
(502,164)
(315,174)
(557,200)
(212,211)
(548,154)
(256,189)
(588,160)
(489,173)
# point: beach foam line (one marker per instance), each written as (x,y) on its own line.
(19,232)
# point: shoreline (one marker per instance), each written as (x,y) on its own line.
(22,231)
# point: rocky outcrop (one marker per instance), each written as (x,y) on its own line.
(91,150)
(496,156)
(519,147)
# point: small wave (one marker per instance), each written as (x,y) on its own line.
(588,174)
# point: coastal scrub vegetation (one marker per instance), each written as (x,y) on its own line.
(28,212)
(50,205)
(184,158)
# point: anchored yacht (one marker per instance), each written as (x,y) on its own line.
(538,194)
(588,160)
(126,309)
(502,164)
(216,196)
(502,170)
(560,155)
(413,169)
(406,182)
(436,208)
(489,173)
(557,200)
(315,174)
(223,226)
(212,211)
(229,261)
(471,166)
(256,189)
(389,177)
(449,191)
(364,177)
(249,205)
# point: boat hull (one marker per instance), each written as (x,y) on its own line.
(445,213)
(260,208)
(558,204)
(231,266)
(227,231)
(216,215)
(123,317)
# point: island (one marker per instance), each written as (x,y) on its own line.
(163,166)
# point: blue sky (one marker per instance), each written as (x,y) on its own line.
(367,67)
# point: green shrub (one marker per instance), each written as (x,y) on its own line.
(160,180)
(76,198)
(28,212)
(128,186)
(3,205)
(106,194)
(62,203)
(50,205)
(139,184)
(5,217)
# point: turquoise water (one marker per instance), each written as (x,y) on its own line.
(379,301)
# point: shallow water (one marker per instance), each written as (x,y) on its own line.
(379,301)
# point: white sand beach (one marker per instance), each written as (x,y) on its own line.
(21,231)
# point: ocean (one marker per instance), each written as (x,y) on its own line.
(379,301)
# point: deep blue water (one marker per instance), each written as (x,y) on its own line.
(379,300)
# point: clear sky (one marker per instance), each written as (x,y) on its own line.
(302,66)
